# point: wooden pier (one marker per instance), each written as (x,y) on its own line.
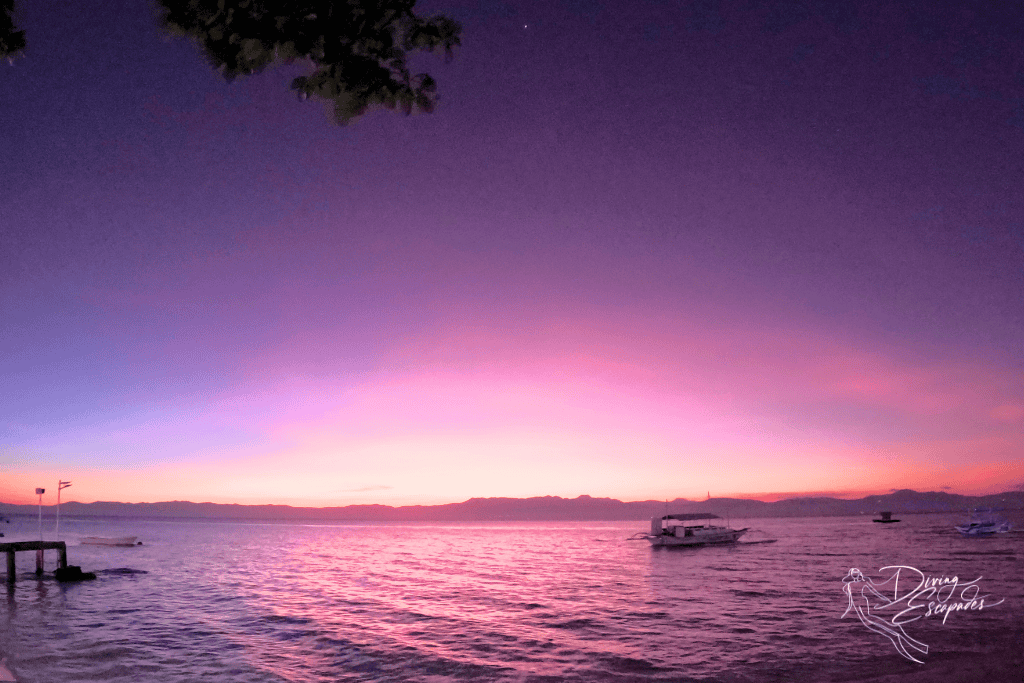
(39,547)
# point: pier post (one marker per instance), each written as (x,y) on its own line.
(39,546)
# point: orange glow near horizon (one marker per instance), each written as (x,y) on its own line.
(577,410)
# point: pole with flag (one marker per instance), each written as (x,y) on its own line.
(61,485)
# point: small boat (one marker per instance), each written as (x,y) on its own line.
(886,518)
(985,524)
(100,540)
(687,530)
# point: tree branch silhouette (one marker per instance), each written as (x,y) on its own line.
(357,50)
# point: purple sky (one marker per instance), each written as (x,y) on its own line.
(641,250)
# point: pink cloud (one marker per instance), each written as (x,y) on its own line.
(604,401)
(1008,413)
(722,365)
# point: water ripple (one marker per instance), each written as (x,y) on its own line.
(232,603)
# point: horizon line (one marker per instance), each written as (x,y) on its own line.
(767,498)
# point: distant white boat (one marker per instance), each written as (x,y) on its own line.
(986,524)
(100,540)
(686,530)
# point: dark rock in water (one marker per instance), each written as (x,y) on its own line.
(72,573)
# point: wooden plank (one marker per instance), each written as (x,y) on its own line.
(19,546)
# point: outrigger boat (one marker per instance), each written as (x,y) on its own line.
(985,525)
(684,530)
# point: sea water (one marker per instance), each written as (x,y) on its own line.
(316,602)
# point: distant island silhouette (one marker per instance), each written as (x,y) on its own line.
(545,508)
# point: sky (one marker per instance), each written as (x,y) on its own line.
(641,250)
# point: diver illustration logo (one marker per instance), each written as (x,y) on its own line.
(926,597)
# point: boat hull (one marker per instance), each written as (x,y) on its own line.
(119,541)
(983,529)
(706,537)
